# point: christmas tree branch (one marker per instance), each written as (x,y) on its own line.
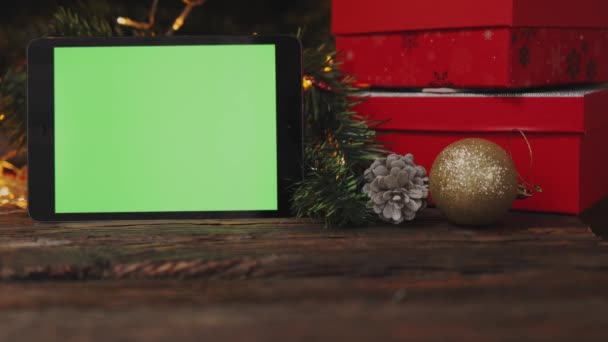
(339,145)
(13,107)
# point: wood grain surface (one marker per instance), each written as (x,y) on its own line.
(532,277)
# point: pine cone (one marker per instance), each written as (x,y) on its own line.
(397,187)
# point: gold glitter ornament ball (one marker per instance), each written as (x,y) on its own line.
(473,182)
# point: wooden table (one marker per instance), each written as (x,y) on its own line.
(534,277)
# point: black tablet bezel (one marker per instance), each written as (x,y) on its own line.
(41,178)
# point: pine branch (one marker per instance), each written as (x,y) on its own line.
(67,23)
(332,194)
(338,146)
(13,107)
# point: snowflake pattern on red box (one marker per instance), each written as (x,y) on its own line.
(487,57)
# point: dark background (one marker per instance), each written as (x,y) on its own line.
(21,20)
(238,14)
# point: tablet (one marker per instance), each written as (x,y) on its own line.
(163,127)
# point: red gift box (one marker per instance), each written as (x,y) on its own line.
(448,43)
(568,132)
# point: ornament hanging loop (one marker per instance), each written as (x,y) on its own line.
(525,189)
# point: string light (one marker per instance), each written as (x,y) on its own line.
(132,23)
(330,62)
(2,116)
(124,21)
(307,83)
(179,21)
(177,24)
(13,184)
(363,85)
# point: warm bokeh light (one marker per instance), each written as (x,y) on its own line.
(306,83)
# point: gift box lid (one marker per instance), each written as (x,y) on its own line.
(361,16)
(574,112)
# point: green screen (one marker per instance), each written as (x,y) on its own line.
(165,128)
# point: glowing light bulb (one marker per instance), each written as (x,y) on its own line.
(306,83)
(178,24)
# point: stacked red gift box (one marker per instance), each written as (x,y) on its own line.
(530,65)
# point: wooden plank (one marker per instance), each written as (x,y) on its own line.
(534,277)
(474,309)
(305,322)
(189,249)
